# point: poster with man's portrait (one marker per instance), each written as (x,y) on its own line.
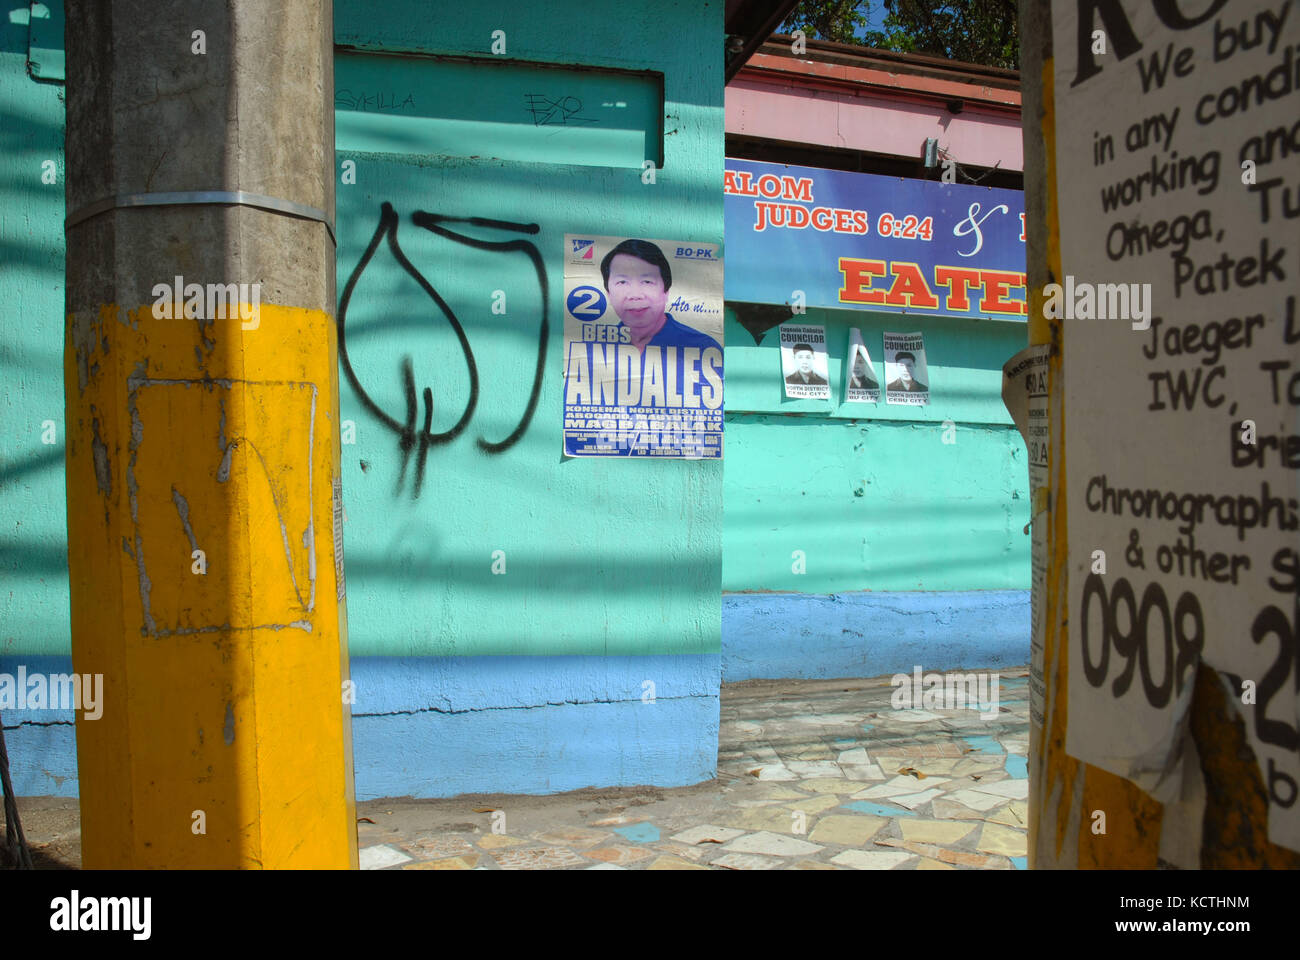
(803,362)
(642,348)
(907,381)
(860,383)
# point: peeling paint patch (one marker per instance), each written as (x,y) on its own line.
(81,334)
(228,731)
(146,588)
(223,471)
(133,490)
(183,508)
(112,311)
(303,625)
(103,471)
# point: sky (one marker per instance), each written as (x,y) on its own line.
(875,19)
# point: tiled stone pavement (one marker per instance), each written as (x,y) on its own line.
(816,775)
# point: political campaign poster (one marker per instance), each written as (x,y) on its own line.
(860,383)
(803,362)
(642,348)
(907,381)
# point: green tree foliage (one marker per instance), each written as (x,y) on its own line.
(975,31)
(835,20)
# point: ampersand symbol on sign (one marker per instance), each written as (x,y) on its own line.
(1133,553)
(972,225)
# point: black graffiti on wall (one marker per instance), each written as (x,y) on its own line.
(555,111)
(410,439)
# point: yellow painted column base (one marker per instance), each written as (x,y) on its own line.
(203,522)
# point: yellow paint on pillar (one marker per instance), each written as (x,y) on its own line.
(202,462)
(1054,769)
(1235,834)
(1042,329)
(1132,818)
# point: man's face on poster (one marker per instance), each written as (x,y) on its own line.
(636,289)
(906,366)
(804,359)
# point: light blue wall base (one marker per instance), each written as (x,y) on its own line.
(438,727)
(42,758)
(42,744)
(820,636)
(442,726)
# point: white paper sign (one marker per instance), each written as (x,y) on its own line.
(860,383)
(1024,391)
(1181,348)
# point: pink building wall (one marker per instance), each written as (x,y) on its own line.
(877,111)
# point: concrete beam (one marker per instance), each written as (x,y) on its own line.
(204,543)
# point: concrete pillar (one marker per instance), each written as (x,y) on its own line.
(204,511)
(1225,823)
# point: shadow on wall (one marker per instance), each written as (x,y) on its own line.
(33,528)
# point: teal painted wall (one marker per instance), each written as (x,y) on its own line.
(33,521)
(613,569)
(601,556)
(871,494)
(607,557)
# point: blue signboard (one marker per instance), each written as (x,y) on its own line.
(861,241)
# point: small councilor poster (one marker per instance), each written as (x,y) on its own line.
(642,348)
(907,381)
(860,383)
(803,362)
